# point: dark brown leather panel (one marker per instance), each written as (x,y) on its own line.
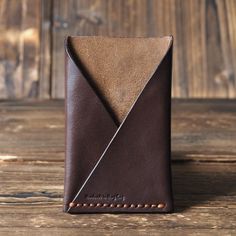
(133,174)
(89,128)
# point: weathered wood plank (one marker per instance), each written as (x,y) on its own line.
(204,32)
(201,130)
(32,39)
(46,184)
(45,49)
(116,230)
(32,171)
(204,130)
(31,194)
(19,44)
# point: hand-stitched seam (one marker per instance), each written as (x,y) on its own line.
(112,205)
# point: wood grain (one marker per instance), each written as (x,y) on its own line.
(32,171)
(45,66)
(31,198)
(204,32)
(201,130)
(19,48)
(32,41)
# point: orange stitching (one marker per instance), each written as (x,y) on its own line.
(112,205)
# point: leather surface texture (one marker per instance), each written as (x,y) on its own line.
(118,110)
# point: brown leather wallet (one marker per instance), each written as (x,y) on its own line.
(118,104)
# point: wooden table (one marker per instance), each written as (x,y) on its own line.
(204,174)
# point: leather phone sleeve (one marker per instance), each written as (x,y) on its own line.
(118,108)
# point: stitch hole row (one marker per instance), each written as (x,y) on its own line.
(112,205)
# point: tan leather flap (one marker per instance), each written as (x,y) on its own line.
(120,67)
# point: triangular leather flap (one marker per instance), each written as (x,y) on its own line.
(119,67)
(134,169)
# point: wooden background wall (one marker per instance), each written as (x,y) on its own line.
(32,36)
